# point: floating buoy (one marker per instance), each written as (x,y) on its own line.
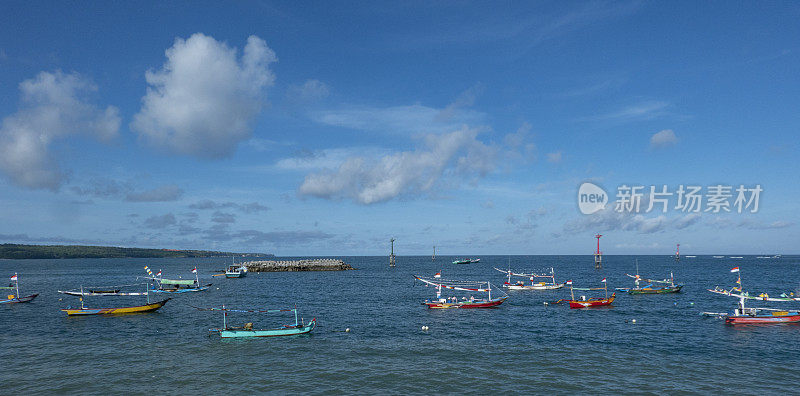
(425,328)
(633,320)
(545,303)
(217,288)
(691,303)
(347,330)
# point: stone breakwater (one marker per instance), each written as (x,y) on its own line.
(298,265)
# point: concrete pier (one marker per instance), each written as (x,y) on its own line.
(298,265)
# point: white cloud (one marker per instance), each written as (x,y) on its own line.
(554,158)
(399,120)
(640,111)
(663,138)
(164,193)
(310,91)
(370,180)
(204,99)
(53,108)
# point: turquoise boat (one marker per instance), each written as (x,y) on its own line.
(236,271)
(247,329)
(163,285)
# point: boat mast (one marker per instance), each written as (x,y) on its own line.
(16,282)
(224,318)
(490,290)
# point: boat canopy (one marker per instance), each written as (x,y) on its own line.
(177,281)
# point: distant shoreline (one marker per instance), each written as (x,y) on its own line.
(21,252)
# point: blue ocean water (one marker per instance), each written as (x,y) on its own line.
(522,346)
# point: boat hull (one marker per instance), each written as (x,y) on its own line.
(193,290)
(116,311)
(465,304)
(782,317)
(17,300)
(592,302)
(235,274)
(289,331)
(533,287)
(660,290)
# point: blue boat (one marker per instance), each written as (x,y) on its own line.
(236,271)
(247,330)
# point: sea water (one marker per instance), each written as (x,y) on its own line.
(522,346)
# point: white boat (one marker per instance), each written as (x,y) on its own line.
(534,285)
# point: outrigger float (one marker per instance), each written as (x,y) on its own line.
(520,285)
(466,261)
(583,302)
(454,302)
(744,315)
(15,298)
(299,327)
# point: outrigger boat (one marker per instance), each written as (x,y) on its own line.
(162,285)
(520,285)
(15,298)
(247,330)
(670,286)
(466,261)
(102,291)
(590,302)
(454,302)
(744,315)
(149,307)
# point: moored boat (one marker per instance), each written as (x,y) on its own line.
(236,271)
(584,302)
(669,285)
(464,302)
(744,315)
(150,307)
(299,327)
(163,285)
(520,285)
(466,261)
(16,298)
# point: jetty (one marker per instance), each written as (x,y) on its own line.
(298,265)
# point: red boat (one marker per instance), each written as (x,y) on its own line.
(592,302)
(454,302)
(742,315)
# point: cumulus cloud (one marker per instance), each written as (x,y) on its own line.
(610,220)
(369,180)
(204,99)
(160,222)
(519,143)
(158,194)
(310,91)
(53,107)
(207,204)
(663,138)
(397,120)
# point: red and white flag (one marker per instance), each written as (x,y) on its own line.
(14,278)
(603,281)
(569,282)
(159,273)
(194,270)
(735,269)
(438,275)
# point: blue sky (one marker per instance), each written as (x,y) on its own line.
(327,128)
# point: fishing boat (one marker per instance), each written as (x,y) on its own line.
(520,285)
(104,291)
(468,286)
(150,307)
(15,298)
(669,285)
(584,302)
(744,315)
(247,330)
(163,285)
(236,271)
(466,261)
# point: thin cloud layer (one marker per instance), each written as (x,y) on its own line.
(369,180)
(204,99)
(53,108)
(663,138)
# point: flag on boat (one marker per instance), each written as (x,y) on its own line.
(14,278)
(438,275)
(569,282)
(531,279)
(735,269)
(603,281)
(148,270)
(194,270)
(159,273)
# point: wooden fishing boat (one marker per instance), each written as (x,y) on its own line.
(669,285)
(743,315)
(454,302)
(236,271)
(584,302)
(15,298)
(163,285)
(520,285)
(299,327)
(96,293)
(466,261)
(150,307)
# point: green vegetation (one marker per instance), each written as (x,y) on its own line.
(15,251)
